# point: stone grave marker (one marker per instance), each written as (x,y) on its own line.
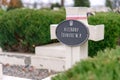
(74,32)
(95,33)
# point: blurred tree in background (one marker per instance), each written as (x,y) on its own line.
(12,4)
(15,4)
(62,2)
(55,5)
(82,3)
(108,3)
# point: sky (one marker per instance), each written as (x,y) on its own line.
(68,2)
(97,2)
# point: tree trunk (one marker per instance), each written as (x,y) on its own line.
(62,2)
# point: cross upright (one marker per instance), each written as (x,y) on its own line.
(76,53)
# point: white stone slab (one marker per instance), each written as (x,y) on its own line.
(48,78)
(1,72)
(17,54)
(13,78)
(51,50)
(51,63)
(13,58)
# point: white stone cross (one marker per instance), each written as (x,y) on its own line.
(76,53)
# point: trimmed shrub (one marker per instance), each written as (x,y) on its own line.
(1,12)
(112,31)
(105,66)
(23,29)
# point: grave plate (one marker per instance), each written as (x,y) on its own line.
(72,32)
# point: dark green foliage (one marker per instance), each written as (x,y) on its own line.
(112,31)
(105,66)
(81,3)
(23,29)
(1,12)
(55,5)
(108,3)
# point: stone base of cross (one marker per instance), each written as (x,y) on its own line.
(76,53)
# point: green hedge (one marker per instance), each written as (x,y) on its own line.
(112,31)
(1,12)
(105,66)
(23,29)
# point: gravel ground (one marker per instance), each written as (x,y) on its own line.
(26,72)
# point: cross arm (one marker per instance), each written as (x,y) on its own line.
(96,32)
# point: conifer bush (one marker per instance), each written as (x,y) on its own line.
(1,12)
(105,66)
(23,29)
